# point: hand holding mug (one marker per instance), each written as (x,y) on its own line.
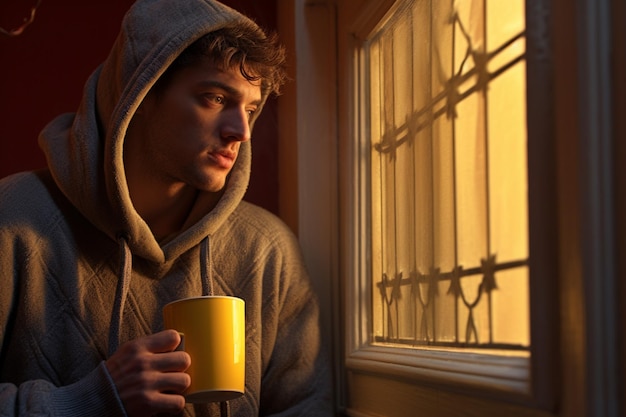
(150,375)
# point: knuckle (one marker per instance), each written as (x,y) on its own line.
(130,349)
(143,363)
(146,396)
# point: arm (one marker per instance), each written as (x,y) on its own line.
(93,395)
(30,392)
(49,365)
(144,372)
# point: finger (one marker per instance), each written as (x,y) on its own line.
(174,382)
(163,341)
(177,361)
(168,403)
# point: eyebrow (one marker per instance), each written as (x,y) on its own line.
(228,89)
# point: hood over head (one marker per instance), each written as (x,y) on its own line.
(85,150)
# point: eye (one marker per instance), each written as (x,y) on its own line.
(213,99)
(251,112)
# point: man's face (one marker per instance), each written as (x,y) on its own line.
(191,131)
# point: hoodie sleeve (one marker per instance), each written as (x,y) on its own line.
(94,395)
(297,381)
(22,392)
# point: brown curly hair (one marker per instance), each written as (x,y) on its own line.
(245,46)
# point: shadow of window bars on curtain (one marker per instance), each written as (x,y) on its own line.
(449,176)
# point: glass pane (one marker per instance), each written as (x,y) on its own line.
(446,100)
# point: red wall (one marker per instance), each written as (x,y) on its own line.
(43,70)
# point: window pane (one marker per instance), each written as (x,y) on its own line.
(446,99)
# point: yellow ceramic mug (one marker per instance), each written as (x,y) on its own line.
(213,332)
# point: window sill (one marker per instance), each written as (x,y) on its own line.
(504,374)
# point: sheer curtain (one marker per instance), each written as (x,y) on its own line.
(448,187)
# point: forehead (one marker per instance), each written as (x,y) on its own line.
(203,72)
(207,70)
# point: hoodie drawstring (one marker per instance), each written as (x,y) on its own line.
(121,292)
(205,267)
(123,285)
(207,289)
(225,409)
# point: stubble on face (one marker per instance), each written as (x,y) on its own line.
(189,134)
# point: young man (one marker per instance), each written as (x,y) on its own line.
(142,205)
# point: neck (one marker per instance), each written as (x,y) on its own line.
(164,208)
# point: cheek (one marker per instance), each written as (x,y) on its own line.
(178,126)
(184,119)
(169,126)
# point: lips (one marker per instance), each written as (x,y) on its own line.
(223,158)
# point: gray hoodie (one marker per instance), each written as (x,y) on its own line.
(81,272)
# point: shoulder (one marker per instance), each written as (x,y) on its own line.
(260,231)
(259,220)
(21,188)
(19,182)
(27,196)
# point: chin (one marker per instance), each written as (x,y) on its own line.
(211,182)
(213,186)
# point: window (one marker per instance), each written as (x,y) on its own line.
(444,235)
(571,364)
(448,176)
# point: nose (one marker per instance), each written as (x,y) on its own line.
(236,125)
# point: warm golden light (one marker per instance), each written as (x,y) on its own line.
(447,123)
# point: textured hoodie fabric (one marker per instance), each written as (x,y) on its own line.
(81,272)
